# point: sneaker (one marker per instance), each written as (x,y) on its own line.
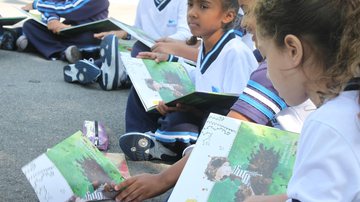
(83,71)
(144,147)
(113,71)
(22,43)
(72,54)
(8,40)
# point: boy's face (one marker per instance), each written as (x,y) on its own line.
(248,20)
(223,171)
(205,17)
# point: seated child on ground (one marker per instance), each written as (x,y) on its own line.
(224,65)
(46,39)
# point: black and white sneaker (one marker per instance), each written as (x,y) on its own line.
(72,54)
(8,39)
(144,147)
(113,71)
(83,71)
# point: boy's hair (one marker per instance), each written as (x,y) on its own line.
(331,28)
(213,166)
(229,5)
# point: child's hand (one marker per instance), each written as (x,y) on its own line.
(158,57)
(27,7)
(163,109)
(140,187)
(56,26)
(119,33)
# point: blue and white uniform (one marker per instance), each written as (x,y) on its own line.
(74,12)
(161,18)
(226,68)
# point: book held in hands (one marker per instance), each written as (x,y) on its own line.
(170,82)
(234,159)
(71,170)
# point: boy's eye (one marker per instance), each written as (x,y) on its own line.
(204,6)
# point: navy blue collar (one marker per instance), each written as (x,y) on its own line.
(161,4)
(354,84)
(207,59)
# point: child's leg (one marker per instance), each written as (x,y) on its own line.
(52,45)
(136,118)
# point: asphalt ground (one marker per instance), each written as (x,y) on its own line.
(38,110)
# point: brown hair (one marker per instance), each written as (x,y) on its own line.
(228,5)
(331,28)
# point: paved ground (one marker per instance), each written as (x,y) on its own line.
(38,109)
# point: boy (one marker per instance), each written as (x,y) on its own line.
(46,39)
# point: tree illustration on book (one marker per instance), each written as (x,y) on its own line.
(72,169)
(235,159)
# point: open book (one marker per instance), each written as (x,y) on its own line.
(108,25)
(233,160)
(169,82)
(10,15)
(72,169)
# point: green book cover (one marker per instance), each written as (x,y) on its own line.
(72,169)
(233,160)
(169,82)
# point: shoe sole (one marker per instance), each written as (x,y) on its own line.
(83,73)
(110,67)
(136,146)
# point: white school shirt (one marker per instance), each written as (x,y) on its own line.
(226,68)
(327,166)
(168,19)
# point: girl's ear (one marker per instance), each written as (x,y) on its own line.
(294,49)
(229,17)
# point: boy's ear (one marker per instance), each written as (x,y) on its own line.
(294,49)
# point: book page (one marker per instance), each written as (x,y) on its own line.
(10,15)
(81,165)
(46,180)
(233,160)
(156,82)
(136,33)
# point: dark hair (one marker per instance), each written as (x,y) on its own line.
(213,166)
(331,28)
(228,5)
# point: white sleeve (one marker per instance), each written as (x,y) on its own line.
(182,29)
(238,73)
(139,12)
(326,168)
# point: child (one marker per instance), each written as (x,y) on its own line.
(46,39)
(314,53)
(159,19)
(251,109)
(224,65)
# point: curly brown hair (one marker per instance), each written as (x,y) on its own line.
(331,28)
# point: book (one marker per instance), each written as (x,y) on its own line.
(33,14)
(169,82)
(71,170)
(10,20)
(235,159)
(98,26)
(9,15)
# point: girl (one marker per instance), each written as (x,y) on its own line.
(224,65)
(312,52)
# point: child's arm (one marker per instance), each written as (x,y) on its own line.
(121,34)
(176,47)
(56,26)
(145,186)
(158,57)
